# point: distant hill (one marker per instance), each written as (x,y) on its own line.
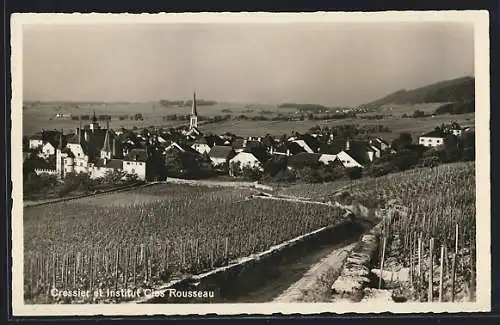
(456,90)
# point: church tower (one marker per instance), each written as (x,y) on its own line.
(106,148)
(193,122)
(94,125)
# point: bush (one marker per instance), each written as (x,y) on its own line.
(354,172)
(307,175)
(284,175)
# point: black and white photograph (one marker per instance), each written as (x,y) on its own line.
(250,163)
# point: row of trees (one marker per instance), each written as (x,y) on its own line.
(349,130)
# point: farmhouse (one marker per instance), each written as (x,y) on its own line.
(242,160)
(220,155)
(349,153)
(434,138)
(135,163)
(453,128)
(36,141)
(303,159)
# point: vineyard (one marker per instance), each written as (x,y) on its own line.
(149,236)
(429,228)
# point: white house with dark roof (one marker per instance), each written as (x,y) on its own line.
(434,138)
(244,159)
(220,155)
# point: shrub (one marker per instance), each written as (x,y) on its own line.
(354,172)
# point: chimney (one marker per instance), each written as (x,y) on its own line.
(271,150)
(288,152)
(245,143)
(347,145)
(86,135)
(331,136)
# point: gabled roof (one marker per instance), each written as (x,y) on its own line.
(246,156)
(303,158)
(332,148)
(259,152)
(434,134)
(311,141)
(292,146)
(238,143)
(68,152)
(382,141)
(109,163)
(361,156)
(225,152)
(137,155)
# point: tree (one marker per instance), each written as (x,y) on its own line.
(354,172)
(274,165)
(418,113)
(307,175)
(402,142)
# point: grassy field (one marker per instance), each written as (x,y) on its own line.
(42,115)
(415,126)
(145,237)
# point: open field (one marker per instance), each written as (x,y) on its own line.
(415,126)
(146,237)
(400,109)
(42,115)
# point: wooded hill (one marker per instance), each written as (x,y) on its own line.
(449,91)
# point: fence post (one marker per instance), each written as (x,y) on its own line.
(441,270)
(382,263)
(431,270)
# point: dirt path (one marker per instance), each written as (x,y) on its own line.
(315,284)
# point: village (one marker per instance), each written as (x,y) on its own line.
(186,152)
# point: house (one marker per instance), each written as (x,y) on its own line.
(380,144)
(205,143)
(135,163)
(434,138)
(287,149)
(308,143)
(350,153)
(453,128)
(180,147)
(303,159)
(48,149)
(327,159)
(103,166)
(242,160)
(35,141)
(220,155)
(201,146)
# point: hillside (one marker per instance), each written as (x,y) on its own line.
(456,90)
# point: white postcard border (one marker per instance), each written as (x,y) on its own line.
(482,123)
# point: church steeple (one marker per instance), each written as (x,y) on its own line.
(193,122)
(106,148)
(94,125)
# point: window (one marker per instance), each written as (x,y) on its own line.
(133,170)
(128,163)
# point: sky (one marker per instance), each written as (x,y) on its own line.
(321,63)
